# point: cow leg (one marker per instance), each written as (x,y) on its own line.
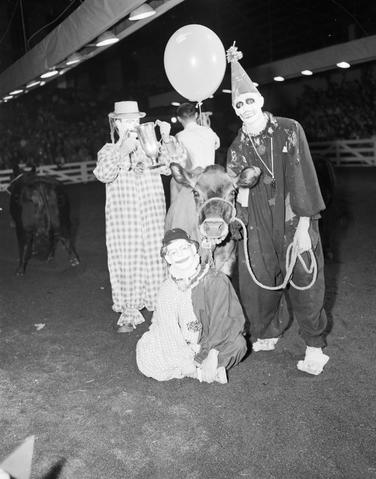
(54,240)
(67,243)
(25,253)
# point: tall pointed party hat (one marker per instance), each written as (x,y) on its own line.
(18,463)
(240,81)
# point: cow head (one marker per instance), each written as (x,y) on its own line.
(20,176)
(215,192)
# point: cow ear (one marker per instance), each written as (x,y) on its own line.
(248,177)
(182,176)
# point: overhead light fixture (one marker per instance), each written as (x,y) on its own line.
(255,83)
(143,11)
(173,119)
(343,65)
(32,83)
(8,97)
(175,103)
(75,58)
(226,90)
(42,83)
(15,92)
(50,74)
(306,72)
(278,78)
(107,38)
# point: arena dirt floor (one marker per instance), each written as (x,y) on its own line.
(69,379)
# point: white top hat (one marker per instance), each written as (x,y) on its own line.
(126,109)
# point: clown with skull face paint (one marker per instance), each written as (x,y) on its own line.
(197,328)
(282,208)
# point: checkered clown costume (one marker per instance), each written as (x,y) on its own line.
(135,211)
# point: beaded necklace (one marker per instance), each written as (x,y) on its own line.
(268,180)
(257,141)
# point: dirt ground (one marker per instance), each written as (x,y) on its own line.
(75,385)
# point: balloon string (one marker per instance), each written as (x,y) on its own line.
(199,112)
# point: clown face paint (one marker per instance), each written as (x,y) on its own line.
(125,125)
(248,107)
(183,258)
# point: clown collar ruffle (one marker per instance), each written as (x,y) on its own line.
(267,132)
(189,283)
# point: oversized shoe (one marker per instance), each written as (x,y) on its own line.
(125,323)
(314,361)
(125,328)
(264,344)
(220,376)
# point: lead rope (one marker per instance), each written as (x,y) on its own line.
(291,255)
(291,258)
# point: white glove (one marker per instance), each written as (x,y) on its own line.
(302,240)
(164,129)
(128,145)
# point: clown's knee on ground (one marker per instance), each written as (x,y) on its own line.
(313,362)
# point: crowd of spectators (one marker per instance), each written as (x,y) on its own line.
(57,129)
(63,126)
(341,111)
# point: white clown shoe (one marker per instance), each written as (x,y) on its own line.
(264,344)
(313,362)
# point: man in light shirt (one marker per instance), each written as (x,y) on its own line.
(199,141)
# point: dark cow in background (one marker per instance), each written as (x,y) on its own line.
(40,209)
(328,184)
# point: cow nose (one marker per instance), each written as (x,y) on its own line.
(214,228)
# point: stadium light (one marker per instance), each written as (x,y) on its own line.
(343,65)
(143,11)
(33,83)
(107,38)
(74,58)
(50,74)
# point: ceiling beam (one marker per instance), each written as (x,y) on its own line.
(75,33)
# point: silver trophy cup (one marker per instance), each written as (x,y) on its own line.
(148,140)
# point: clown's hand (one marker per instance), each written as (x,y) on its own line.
(164,129)
(128,145)
(139,167)
(302,241)
(209,366)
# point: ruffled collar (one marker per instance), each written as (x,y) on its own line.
(266,132)
(190,282)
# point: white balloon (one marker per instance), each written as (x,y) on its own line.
(195,62)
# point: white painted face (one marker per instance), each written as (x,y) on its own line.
(248,106)
(124,125)
(180,253)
